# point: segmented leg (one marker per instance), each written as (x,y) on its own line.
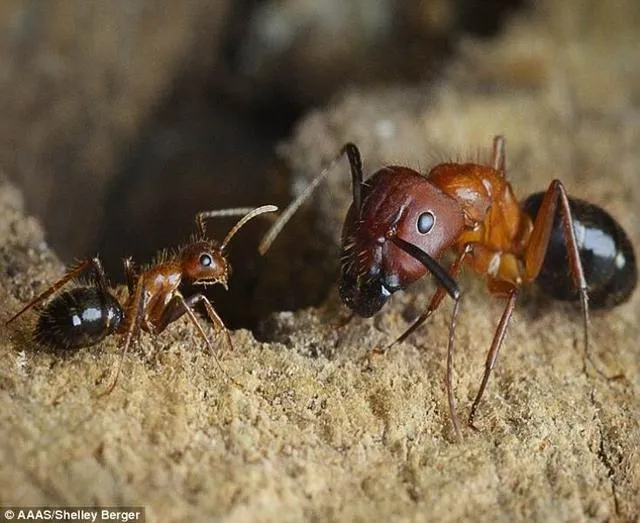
(498,338)
(90,263)
(450,286)
(434,303)
(453,413)
(132,324)
(179,306)
(130,274)
(537,249)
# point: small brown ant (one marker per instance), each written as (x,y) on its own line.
(401,222)
(85,315)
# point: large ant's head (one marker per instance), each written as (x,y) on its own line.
(403,224)
(204,261)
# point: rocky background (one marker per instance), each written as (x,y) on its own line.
(121,120)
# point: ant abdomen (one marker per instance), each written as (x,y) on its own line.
(606,253)
(78,318)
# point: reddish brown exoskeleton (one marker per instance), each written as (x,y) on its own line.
(85,315)
(401,223)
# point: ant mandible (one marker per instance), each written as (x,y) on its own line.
(401,222)
(85,315)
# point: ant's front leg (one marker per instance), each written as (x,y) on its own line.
(434,303)
(450,286)
(179,305)
(73,272)
(499,289)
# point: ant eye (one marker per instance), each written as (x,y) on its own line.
(206,260)
(426,221)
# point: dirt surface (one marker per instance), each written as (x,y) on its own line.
(315,430)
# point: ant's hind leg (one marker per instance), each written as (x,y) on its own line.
(73,272)
(132,322)
(539,241)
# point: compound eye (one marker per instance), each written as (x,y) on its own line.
(206,260)
(426,221)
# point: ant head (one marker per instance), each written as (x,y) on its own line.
(403,225)
(203,262)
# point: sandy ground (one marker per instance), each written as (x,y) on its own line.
(315,430)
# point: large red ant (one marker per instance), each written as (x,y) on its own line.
(400,223)
(85,315)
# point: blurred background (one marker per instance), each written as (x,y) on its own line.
(122,119)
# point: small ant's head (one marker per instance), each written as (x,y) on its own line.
(402,227)
(203,263)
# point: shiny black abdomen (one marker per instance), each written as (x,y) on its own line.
(607,256)
(78,318)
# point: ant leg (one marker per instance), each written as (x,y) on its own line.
(179,306)
(133,320)
(498,154)
(434,303)
(93,263)
(537,249)
(129,274)
(448,283)
(453,413)
(492,355)
(213,315)
(99,275)
(355,162)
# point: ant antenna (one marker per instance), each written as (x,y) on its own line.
(252,214)
(246,212)
(355,163)
(448,283)
(438,272)
(271,235)
(202,216)
(498,154)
